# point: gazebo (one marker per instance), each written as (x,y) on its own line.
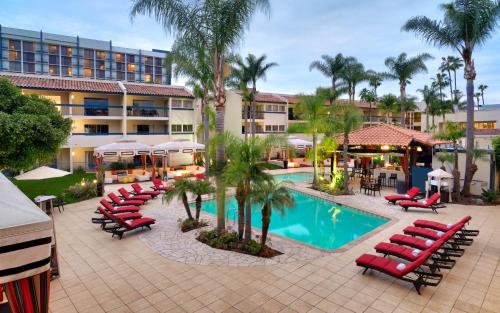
(181,145)
(298,143)
(412,146)
(437,176)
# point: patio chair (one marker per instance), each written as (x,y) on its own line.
(383,178)
(430,203)
(158,185)
(363,185)
(445,227)
(119,202)
(375,187)
(453,235)
(410,195)
(424,244)
(59,202)
(122,226)
(393,179)
(137,189)
(127,196)
(410,272)
(103,220)
(121,209)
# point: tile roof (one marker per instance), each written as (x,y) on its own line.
(385,134)
(274,97)
(92,85)
(358,103)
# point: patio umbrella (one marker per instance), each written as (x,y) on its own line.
(299,143)
(438,175)
(42,172)
(124,147)
(177,145)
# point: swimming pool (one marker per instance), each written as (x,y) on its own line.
(313,221)
(294,177)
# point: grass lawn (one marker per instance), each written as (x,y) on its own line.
(51,186)
(271,166)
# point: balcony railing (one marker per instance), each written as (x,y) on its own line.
(147,111)
(90,110)
(259,115)
(147,133)
(97,134)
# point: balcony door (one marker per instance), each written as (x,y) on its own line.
(96,106)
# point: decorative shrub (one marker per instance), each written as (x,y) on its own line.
(490,196)
(79,170)
(188,225)
(86,189)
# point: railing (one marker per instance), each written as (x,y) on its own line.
(147,133)
(97,134)
(259,115)
(90,110)
(147,111)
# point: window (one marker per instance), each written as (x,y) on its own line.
(15,66)
(176,103)
(148,69)
(158,70)
(144,103)
(268,128)
(88,54)
(142,129)
(28,57)
(275,128)
(120,67)
(130,68)
(120,75)
(96,129)
(66,61)
(28,46)
(188,104)
(158,79)
(147,78)
(29,67)
(53,69)
(159,62)
(100,65)
(176,128)
(53,49)
(281,128)
(53,59)
(14,56)
(148,60)
(67,71)
(15,45)
(130,58)
(67,51)
(88,72)
(119,57)
(101,74)
(88,63)
(187,128)
(101,55)
(95,106)
(282,108)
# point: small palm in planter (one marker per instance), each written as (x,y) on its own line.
(271,195)
(182,187)
(200,188)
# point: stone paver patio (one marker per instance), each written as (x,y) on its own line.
(104,274)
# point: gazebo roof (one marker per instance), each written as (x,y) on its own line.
(385,134)
(177,145)
(123,147)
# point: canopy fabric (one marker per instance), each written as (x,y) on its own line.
(123,147)
(42,172)
(299,143)
(439,173)
(385,134)
(177,145)
(25,235)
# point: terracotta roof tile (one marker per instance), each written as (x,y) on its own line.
(274,97)
(358,103)
(385,134)
(157,90)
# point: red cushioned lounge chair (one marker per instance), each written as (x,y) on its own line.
(423,244)
(116,210)
(159,186)
(200,176)
(430,203)
(411,272)
(127,196)
(141,192)
(123,226)
(445,227)
(119,202)
(103,220)
(453,234)
(410,195)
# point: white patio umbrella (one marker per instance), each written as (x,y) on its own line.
(438,175)
(123,147)
(178,145)
(299,143)
(42,172)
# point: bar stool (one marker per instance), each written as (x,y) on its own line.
(382,177)
(393,180)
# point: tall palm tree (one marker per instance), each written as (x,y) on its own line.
(332,68)
(455,63)
(239,80)
(353,74)
(403,69)
(466,25)
(200,188)
(440,82)
(272,196)
(478,96)
(408,104)
(370,97)
(453,132)
(182,187)
(256,68)
(428,95)
(218,26)
(374,80)
(482,88)
(387,104)
(351,118)
(313,110)
(446,67)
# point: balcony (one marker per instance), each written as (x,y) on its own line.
(90,111)
(259,115)
(147,111)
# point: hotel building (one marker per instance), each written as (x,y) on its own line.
(108,92)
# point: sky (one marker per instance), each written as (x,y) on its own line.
(296,33)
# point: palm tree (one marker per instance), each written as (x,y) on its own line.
(429,96)
(332,68)
(328,149)
(387,104)
(374,80)
(478,96)
(371,97)
(239,79)
(350,118)
(255,69)
(445,157)
(406,105)
(272,196)
(446,67)
(403,69)
(353,74)
(218,26)
(482,88)
(466,24)
(200,188)
(453,132)
(455,64)
(440,82)
(313,110)
(182,187)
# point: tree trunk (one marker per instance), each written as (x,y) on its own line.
(482,97)
(206,133)
(198,207)
(427,118)
(346,157)
(315,160)
(254,108)
(186,206)
(455,85)
(451,86)
(332,165)
(456,173)
(470,75)
(219,166)
(402,90)
(245,113)
(248,214)
(240,200)
(266,220)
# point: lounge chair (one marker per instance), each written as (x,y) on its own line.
(121,226)
(200,176)
(103,220)
(424,244)
(127,196)
(119,202)
(452,234)
(411,272)
(120,209)
(139,191)
(410,195)
(445,227)
(158,185)
(430,203)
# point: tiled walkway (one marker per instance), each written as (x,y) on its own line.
(104,274)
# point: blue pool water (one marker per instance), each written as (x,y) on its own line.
(294,177)
(314,221)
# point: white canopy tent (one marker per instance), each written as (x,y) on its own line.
(438,175)
(25,235)
(298,143)
(123,147)
(42,172)
(178,145)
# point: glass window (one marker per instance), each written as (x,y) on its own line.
(158,70)
(158,79)
(53,59)
(53,69)
(120,67)
(148,60)
(95,106)
(131,77)
(148,69)
(88,72)
(101,55)
(118,57)
(268,128)
(101,74)
(100,65)
(88,54)
(147,78)
(14,56)
(67,51)
(176,128)
(67,71)
(15,45)
(53,49)
(29,67)
(187,128)
(188,104)
(282,108)
(282,128)
(96,129)
(130,68)
(66,61)
(143,129)
(130,58)
(88,63)
(159,62)
(147,103)
(120,75)
(28,46)
(15,66)
(275,128)
(176,103)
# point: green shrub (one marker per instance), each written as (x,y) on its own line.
(86,189)
(490,196)
(79,170)
(338,180)
(188,225)
(10,172)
